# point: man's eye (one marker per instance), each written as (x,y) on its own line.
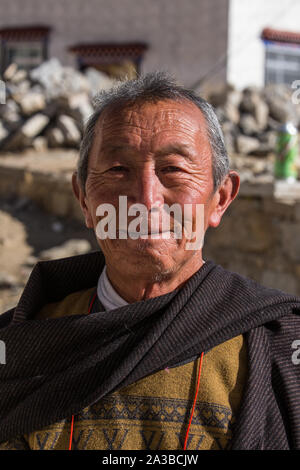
(117,168)
(171,169)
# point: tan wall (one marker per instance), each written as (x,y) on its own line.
(186,37)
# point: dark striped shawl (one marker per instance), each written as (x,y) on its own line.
(56,367)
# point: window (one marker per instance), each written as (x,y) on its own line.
(116,60)
(27,47)
(282,63)
(26,54)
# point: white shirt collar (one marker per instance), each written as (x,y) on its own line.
(109,298)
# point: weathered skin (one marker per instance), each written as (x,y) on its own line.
(155,154)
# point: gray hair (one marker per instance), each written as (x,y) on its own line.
(154,87)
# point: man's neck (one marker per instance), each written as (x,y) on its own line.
(135,288)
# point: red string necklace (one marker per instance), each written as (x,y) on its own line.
(194,403)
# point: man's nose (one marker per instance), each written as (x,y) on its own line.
(149,189)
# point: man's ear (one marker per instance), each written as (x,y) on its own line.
(223,197)
(79,194)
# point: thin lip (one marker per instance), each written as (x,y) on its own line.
(143,233)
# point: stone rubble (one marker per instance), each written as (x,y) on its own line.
(48,106)
(251,118)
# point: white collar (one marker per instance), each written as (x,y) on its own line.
(109,298)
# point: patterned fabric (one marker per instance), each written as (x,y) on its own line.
(153,413)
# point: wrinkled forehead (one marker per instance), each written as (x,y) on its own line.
(152,118)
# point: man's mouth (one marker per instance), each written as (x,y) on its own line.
(144,234)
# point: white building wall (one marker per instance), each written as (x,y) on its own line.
(247,18)
(185,37)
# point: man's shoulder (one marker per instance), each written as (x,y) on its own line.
(76,303)
(248,287)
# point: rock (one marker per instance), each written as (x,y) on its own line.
(31,261)
(48,75)
(58,80)
(40,144)
(17,92)
(34,125)
(53,109)
(256,166)
(68,126)
(253,103)
(262,151)
(270,138)
(273,125)
(10,71)
(220,95)
(234,97)
(80,107)
(246,145)
(261,114)
(231,107)
(248,125)
(229,131)
(69,248)
(10,115)
(279,100)
(3,93)
(281,110)
(74,82)
(55,137)
(3,132)
(19,76)
(249,97)
(7,281)
(231,112)
(98,81)
(24,136)
(32,102)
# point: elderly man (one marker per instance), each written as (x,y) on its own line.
(106,350)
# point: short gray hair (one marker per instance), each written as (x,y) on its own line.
(154,87)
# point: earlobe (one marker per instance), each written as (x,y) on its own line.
(75,185)
(79,194)
(226,193)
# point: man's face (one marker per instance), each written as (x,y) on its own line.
(154,154)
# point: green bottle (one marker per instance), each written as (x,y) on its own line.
(287,151)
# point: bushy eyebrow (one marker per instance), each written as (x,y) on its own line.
(107,149)
(181,149)
(177,149)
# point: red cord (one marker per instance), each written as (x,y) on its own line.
(72,421)
(71,433)
(190,422)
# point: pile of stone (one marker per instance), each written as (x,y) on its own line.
(48,106)
(250,119)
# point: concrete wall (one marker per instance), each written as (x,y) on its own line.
(247,18)
(186,37)
(259,238)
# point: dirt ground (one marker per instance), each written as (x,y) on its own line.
(25,233)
